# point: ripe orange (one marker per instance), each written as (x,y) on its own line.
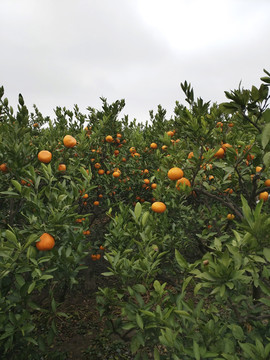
(158,207)
(109,138)
(85,196)
(62,167)
(225,146)
(116,152)
(45,156)
(170,133)
(96,203)
(230,216)
(153,146)
(175,173)
(219,124)
(190,155)
(69,141)
(97,165)
(46,242)
(267,182)
(220,153)
(132,149)
(183,180)
(258,169)
(3,167)
(264,196)
(101,171)
(164,147)
(116,174)
(154,186)
(35,125)
(146,181)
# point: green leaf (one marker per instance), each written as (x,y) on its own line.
(20,280)
(144,218)
(139,321)
(11,237)
(46,277)
(266,160)
(156,354)
(181,260)
(108,273)
(266,253)
(53,305)
(17,185)
(196,350)
(237,332)
(31,287)
(138,210)
(265,135)
(140,288)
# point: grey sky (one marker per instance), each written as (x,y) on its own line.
(61,53)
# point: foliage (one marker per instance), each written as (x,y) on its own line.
(191,282)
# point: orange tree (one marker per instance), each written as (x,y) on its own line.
(224,155)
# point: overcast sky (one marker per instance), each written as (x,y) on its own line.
(66,52)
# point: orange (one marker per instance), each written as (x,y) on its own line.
(119,135)
(116,174)
(45,156)
(109,138)
(132,149)
(101,171)
(230,216)
(183,180)
(87,232)
(190,155)
(96,203)
(267,182)
(97,165)
(164,147)
(170,133)
(116,152)
(146,181)
(219,124)
(229,190)
(62,167)
(85,196)
(258,169)
(3,167)
(102,247)
(153,146)
(35,125)
(136,154)
(175,173)
(124,159)
(220,153)
(264,196)
(225,146)
(154,186)
(158,207)
(46,242)
(211,177)
(69,141)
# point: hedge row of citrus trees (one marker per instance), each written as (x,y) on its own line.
(188,234)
